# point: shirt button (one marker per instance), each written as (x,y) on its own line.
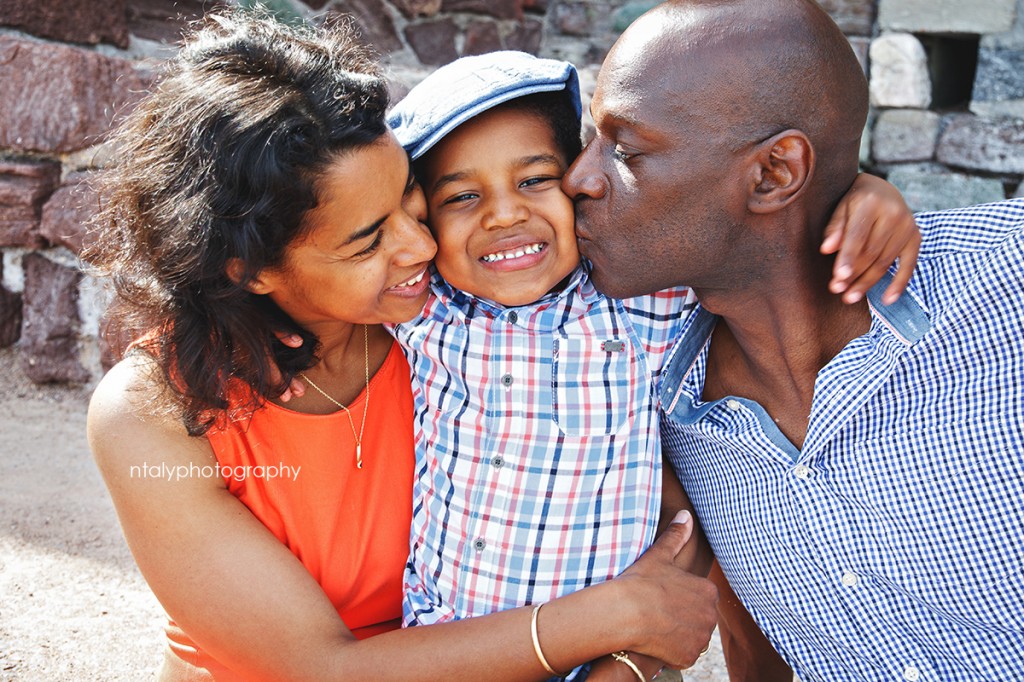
(479,544)
(497,461)
(911,674)
(801,472)
(850,579)
(506,380)
(732,404)
(513,317)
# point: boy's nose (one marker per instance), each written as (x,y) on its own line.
(505,211)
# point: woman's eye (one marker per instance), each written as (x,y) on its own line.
(372,247)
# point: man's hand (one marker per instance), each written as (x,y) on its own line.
(870,227)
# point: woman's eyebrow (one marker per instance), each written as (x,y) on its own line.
(363,233)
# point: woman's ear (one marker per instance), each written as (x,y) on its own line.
(782,167)
(236,273)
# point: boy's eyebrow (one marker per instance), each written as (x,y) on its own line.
(521,162)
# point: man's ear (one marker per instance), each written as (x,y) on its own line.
(236,272)
(781,168)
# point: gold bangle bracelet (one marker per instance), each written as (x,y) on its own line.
(623,657)
(536,642)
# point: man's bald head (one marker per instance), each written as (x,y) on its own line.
(726,132)
(753,68)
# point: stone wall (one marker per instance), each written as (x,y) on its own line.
(947,93)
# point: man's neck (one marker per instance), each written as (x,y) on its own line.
(773,339)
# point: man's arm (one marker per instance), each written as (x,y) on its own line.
(749,655)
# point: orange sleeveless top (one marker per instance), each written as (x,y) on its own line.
(349,527)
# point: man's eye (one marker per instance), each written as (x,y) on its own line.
(622,154)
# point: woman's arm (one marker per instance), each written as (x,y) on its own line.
(242,596)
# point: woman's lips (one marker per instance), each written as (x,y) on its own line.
(413,287)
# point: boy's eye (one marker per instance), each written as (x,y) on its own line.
(533,182)
(459,198)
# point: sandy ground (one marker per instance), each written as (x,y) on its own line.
(73,606)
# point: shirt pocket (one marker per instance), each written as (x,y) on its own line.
(593,385)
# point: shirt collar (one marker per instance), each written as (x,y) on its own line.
(906,319)
(471,306)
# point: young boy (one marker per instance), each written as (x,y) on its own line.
(538,455)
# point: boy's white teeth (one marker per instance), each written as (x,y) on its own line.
(412,281)
(514,253)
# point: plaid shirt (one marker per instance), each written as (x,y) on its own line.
(891,546)
(537,451)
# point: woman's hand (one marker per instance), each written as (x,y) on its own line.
(679,611)
(870,228)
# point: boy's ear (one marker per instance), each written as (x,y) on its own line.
(781,168)
(236,271)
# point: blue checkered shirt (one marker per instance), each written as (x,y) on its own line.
(537,450)
(891,547)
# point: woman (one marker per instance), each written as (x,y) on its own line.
(260,191)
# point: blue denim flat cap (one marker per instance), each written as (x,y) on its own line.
(470,86)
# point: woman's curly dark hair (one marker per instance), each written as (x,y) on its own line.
(221,162)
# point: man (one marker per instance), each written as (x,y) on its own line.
(857,469)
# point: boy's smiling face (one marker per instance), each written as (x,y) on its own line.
(504,229)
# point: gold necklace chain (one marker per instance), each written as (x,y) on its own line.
(366,405)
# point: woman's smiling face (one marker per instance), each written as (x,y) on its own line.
(364,255)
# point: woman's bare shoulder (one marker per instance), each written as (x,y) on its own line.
(131,415)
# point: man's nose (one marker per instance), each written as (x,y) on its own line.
(583,180)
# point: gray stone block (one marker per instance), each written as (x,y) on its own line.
(998,82)
(854,17)
(927,190)
(975,143)
(946,16)
(904,135)
(899,72)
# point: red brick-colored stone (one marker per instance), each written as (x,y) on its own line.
(481,37)
(57,98)
(433,41)
(526,36)
(73,21)
(502,9)
(535,6)
(372,21)
(67,213)
(573,19)
(10,314)
(49,338)
(418,8)
(162,20)
(24,186)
